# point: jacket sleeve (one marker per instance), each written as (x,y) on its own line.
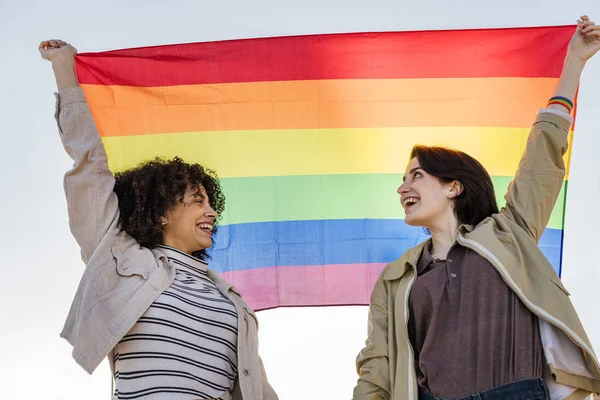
(92,204)
(268,392)
(533,192)
(372,362)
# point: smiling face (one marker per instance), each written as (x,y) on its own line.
(188,225)
(426,200)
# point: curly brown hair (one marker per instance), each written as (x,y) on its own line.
(149,190)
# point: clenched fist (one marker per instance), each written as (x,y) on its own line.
(57,50)
(62,56)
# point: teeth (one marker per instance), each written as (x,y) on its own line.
(205,226)
(410,200)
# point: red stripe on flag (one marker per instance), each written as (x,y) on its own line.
(420,54)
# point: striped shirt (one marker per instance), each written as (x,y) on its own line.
(184,345)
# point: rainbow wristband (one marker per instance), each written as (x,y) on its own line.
(563,101)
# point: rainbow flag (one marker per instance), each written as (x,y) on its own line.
(311,135)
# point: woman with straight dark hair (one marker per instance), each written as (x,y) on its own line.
(477,311)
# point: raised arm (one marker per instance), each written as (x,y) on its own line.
(532,194)
(92,204)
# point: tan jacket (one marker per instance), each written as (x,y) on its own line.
(508,240)
(121,279)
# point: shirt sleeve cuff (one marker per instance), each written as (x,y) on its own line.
(560,113)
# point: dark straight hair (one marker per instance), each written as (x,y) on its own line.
(477,200)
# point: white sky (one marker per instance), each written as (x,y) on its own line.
(308,352)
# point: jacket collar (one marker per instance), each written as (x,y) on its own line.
(465,228)
(410,258)
(222,284)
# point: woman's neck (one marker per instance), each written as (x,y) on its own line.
(443,238)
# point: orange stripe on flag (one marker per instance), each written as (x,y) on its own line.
(363,103)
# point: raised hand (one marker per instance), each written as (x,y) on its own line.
(586,40)
(62,56)
(57,50)
(583,45)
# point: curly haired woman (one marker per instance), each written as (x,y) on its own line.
(171,328)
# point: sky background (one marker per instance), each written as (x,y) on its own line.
(308,352)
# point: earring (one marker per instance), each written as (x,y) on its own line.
(163,223)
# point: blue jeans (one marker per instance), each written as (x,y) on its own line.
(528,389)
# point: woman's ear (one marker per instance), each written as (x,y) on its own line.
(456,188)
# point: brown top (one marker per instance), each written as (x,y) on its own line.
(468,329)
